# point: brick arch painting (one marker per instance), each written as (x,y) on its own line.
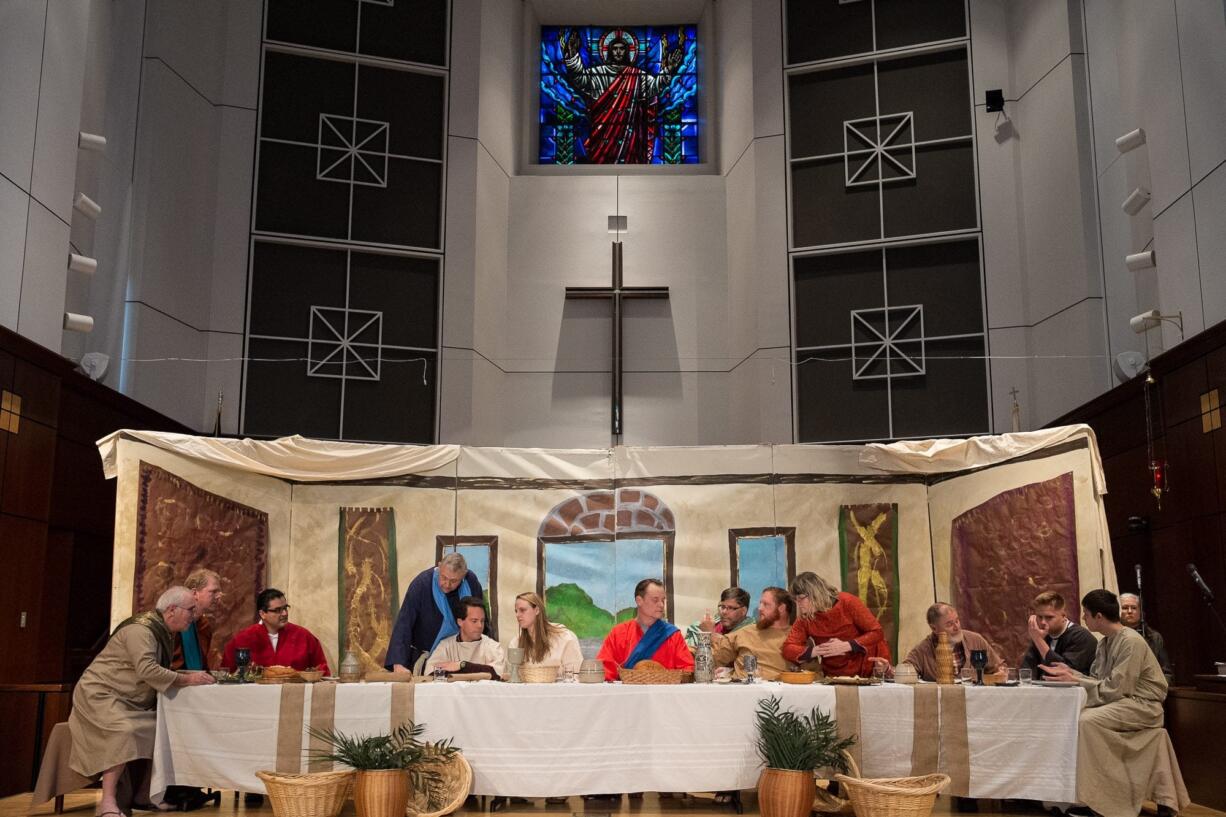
(591,551)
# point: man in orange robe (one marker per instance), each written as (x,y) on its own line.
(647,635)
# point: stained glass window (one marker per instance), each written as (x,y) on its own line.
(619,95)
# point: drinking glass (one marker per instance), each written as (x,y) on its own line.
(1025,675)
(967,675)
(878,676)
(1012,676)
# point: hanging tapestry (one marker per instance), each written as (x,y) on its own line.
(1009,549)
(368,600)
(181,527)
(868,561)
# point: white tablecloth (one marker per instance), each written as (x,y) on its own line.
(564,739)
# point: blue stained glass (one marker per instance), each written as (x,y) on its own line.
(621,96)
(762,562)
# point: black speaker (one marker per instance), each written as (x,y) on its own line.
(995,100)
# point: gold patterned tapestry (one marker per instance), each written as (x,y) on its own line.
(368,601)
(868,558)
(180,527)
(1009,549)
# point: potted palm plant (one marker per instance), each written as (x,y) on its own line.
(792,747)
(388,767)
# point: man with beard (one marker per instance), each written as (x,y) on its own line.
(1056,640)
(943,618)
(776,613)
(1130,616)
(733,615)
(621,97)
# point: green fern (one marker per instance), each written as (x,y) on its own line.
(799,742)
(402,749)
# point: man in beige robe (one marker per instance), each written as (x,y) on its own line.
(762,638)
(113,718)
(943,618)
(1124,756)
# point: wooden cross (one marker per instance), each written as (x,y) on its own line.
(616,293)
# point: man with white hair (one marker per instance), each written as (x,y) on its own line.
(1130,616)
(427,613)
(113,719)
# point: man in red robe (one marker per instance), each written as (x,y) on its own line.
(273,641)
(647,635)
(621,98)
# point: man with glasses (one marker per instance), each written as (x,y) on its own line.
(733,615)
(274,641)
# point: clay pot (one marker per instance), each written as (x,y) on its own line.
(381,793)
(786,793)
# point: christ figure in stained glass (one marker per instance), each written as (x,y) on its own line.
(622,98)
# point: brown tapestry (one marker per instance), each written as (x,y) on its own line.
(868,559)
(1008,550)
(181,527)
(368,599)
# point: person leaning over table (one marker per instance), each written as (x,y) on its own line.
(469,650)
(274,641)
(543,641)
(192,645)
(764,640)
(1056,640)
(426,617)
(113,705)
(733,611)
(834,626)
(646,636)
(1123,754)
(943,618)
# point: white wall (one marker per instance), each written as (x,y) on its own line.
(1161,67)
(1042,268)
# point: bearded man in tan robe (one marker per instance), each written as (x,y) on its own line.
(113,718)
(1124,755)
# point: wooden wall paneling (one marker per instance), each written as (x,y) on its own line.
(85,419)
(1128,483)
(1181,390)
(1121,426)
(40,393)
(7,363)
(1193,473)
(1196,722)
(1215,366)
(28,470)
(22,545)
(53,605)
(1190,643)
(89,600)
(82,499)
(18,717)
(1130,550)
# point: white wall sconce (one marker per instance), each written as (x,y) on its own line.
(1138,261)
(78,323)
(1131,140)
(91,141)
(87,206)
(1137,199)
(82,264)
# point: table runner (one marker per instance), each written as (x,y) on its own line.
(537,740)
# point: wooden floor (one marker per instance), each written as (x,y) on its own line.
(82,804)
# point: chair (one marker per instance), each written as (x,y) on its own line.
(56,778)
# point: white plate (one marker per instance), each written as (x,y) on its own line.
(1055,683)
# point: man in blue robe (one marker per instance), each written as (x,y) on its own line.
(426,616)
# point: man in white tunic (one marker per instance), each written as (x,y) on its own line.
(1124,755)
(113,718)
(469,650)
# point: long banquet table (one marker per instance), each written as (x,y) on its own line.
(536,740)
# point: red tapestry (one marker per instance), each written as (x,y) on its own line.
(1008,550)
(181,527)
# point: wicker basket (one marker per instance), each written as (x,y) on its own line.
(311,676)
(652,672)
(893,796)
(827,803)
(457,781)
(538,673)
(307,795)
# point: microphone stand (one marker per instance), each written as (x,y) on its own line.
(1213,608)
(1141,604)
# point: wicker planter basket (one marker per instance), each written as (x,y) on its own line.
(652,672)
(307,795)
(827,803)
(785,793)
(457,782)
(538,674)
(894,796)
(381,793)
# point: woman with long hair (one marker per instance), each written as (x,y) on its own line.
(543,641)
(835,627)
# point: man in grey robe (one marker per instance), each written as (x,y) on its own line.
(1124,756)
(1130,616)
(113,718)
